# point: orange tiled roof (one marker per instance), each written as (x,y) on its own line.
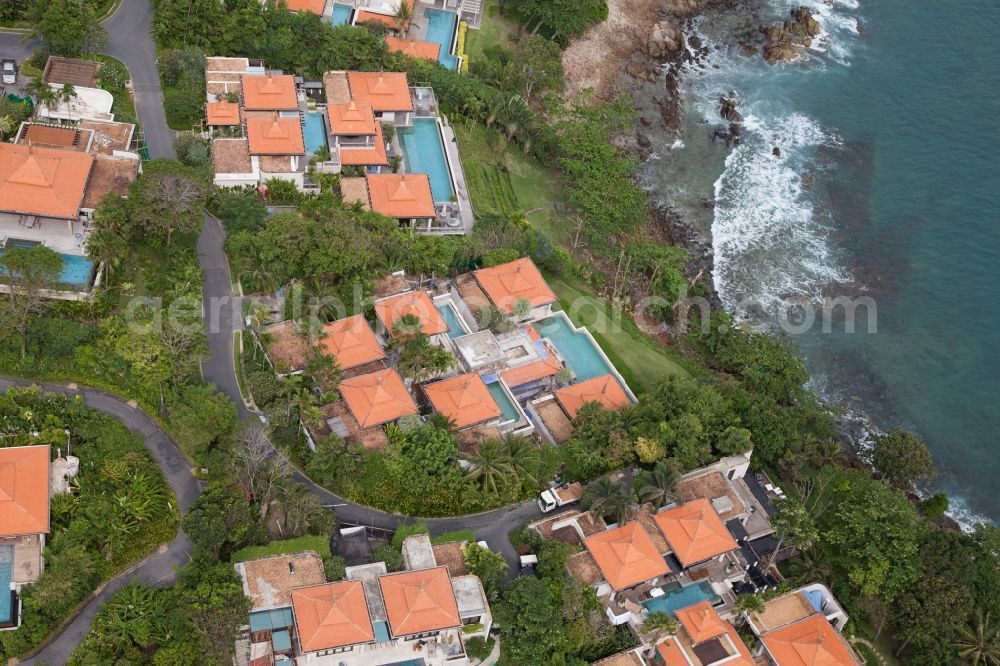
(351,341)
(530,372)
(270,92)
(701,622)
(387,19)
(670,653)
(626,555)
(808,642)
(377,398)
(366,156)
(222,113)
(24,490)
(419,601)
(351,119)
(414,47)
(275,136)
(507,283)
(417,303)
(401,195)
(311,6)
(385,91)
(43,181)
(604,389)
(463,399)
(695,532)
(745,659)
(332,615)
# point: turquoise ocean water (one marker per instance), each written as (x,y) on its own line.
(888,187)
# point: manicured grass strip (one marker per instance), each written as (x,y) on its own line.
(457,535)
(320,544)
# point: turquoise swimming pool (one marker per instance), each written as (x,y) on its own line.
(314,131)
(582,354)
(675,598)
(341,14)
(441,27)
(6,564)
(507,407)
(455,328)
(423,151)
(76,270)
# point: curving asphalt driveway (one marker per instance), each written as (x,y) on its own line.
(158,569)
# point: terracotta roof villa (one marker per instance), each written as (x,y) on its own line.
(24,490)
(417,303)
(413,47)
(626,556)
(808,642)
(402,196)
(332,615)
(419,601)
(311,6)
(507,283)
(222,113)
(43,181)
(703,638)
(384,91)
(275,136)
(270,92)
(695,532)
(351,341)
(351,119)
(377,398)
(464,399)
(268,581)
(701,622)
(604,390)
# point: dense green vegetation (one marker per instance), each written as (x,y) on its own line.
(118,511)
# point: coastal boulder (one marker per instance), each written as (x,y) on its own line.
(664,41)
(727,109)
(782,42)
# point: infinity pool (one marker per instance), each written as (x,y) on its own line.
(423,151)
(314,131)
(675,598)
(341,14)
(583,356)
(508,408)
(441,26)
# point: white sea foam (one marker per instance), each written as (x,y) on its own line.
(767,241)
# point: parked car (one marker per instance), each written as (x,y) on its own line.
(9,69)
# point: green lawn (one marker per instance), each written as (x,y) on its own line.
(504,180)
(320,544)
(641,361)
(495,31)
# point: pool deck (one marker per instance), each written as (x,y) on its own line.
(458,175)
(58,235)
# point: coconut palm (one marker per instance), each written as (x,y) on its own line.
(403,16)
(442,422)
(302,400)
(604,497)
(524,457)
(810,566)
(826,452)
(407,326)
(660,484)
(42,92)
(491,465)
(978,642)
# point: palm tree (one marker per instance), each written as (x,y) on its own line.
(42,92)
(442,422)
(660,484)
(979,641)
(403,16)
(302,400)
(604,497)
(809,566)
(491,465)
(524,457)
(407,326)
(826,452)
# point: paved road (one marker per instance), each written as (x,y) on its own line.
(11,46)
(161,568)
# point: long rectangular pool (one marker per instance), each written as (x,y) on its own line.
(6,565)
(441,27)
(583,356)
(508,408)
(455,328)
(675,598)
(423,151)
(314,131)
(341,14)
